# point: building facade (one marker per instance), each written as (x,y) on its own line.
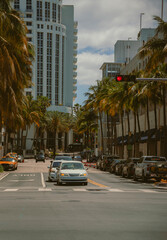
(53,33)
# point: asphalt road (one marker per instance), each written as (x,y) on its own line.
(110,207)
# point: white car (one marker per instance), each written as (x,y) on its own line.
(52,176)
(72,171)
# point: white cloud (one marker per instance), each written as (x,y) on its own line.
(89,67)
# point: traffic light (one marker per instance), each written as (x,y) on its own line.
(125,78)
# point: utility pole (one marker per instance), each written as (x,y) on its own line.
(162,8)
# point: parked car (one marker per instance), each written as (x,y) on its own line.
(63,157)
(72,171)
(9,163)
(20,158)
(128,168)
(52,175)
(40,157)
(113,165)
(119,166)
(12,155)
(107,160)
(151,167)
(78,158)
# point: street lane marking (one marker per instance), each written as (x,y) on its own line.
(147,191)
(4,176)
(11,190)
(43,181)
(79,190)
(44,189)
(115,190)
(97,184)
(29,180)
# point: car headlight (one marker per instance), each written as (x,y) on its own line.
(64,174)
(83,174)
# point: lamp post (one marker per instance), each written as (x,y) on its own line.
(162,9)
(141,14)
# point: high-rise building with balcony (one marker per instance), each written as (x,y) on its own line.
(53,32)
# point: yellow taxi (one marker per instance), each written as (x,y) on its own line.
(9,163)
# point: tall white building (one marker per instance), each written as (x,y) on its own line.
(53,32)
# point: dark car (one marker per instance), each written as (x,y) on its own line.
(128,169)
(119,166)
(78,158)
(107,161)
(113,165)
(63,157)
(40,157)
(20,158)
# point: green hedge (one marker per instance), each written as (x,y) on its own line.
(1,168)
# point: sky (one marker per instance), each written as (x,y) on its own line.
(100,24)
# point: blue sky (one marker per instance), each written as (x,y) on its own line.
(100,24)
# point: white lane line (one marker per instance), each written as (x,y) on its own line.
(79,190)
(43,181)
(44,189)
(29,180)
(115,190)
(147,191)
(4,176)
(11,190)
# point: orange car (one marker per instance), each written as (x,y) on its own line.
(9,163)
(12,155)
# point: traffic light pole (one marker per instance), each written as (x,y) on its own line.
(152,79)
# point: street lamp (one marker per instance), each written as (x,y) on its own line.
(162,9)
(141,14)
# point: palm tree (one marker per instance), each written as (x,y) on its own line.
(15,62)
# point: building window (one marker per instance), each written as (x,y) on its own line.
(29,23)
(39,11)
(59,13)
(47,11)
(39,64)
(28,93)
(28,15)
(57,70)
(29,31)
(29,4)
(54,12)
(17,4)
(29,39)
(49,66)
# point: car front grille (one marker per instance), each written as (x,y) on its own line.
(74,175)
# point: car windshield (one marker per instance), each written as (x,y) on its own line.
(7,160)
(158,159)
(56,164)
(72,166)
(63,158)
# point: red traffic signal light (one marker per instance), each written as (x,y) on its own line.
(125,78)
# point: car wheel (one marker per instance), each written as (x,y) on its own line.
(59,183)
(144,179)
(134,177)
(85,183)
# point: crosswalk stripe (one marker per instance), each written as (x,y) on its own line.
(147,191)
(11,190)
(79,189)
(115,190)
(44,189)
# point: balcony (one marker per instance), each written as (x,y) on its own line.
(75,31)
(75,52)
(74,67)
(74,89)
(74,74)
(75,46)
(75,39)
(74,81)
(74,96)
(74,60)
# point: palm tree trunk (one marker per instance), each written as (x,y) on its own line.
(122,155)
(108,134)
(164,116)
(148,123)
(134,150)
(155,117)
(101,128)
(54,148)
